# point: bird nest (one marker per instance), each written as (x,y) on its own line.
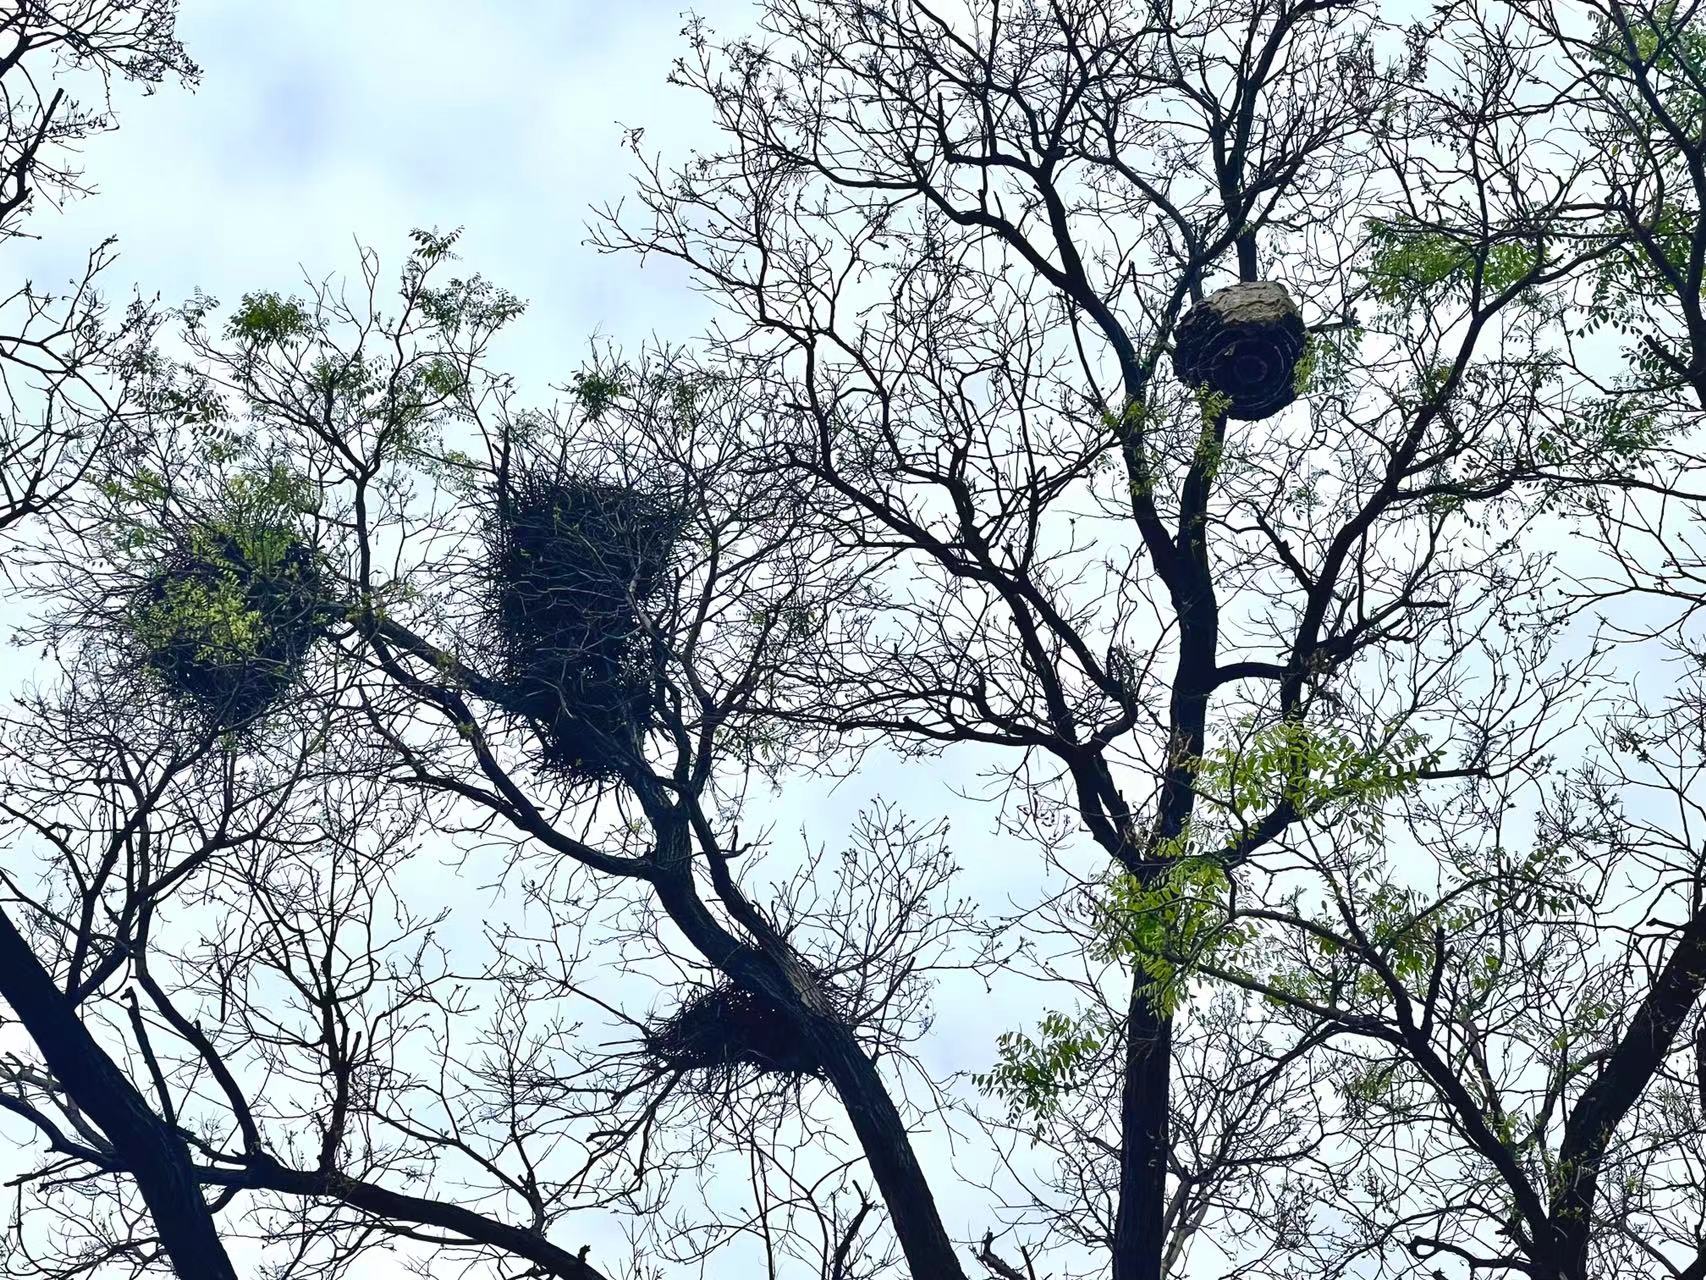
(225,619)
(571,563)
(1243,343)
(725,1030)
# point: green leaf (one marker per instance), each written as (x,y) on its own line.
(267,318)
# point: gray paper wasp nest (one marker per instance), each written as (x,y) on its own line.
(1243,342)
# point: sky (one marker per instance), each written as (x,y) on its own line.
(318,124)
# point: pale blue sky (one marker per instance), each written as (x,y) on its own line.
(321,120)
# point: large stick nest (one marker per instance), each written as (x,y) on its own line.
(1244,343)
(572,562)
(226,617)
(723,1030)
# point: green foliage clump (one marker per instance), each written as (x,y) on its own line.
(1661,53)
(1311,769)
(267,318)
(227,613)
(1165,925)
(1635,280)
(1326,361)
(1175,918)
(1410,266)
(1618,428)
(1034,1073)
(596,391)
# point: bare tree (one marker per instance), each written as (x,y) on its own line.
(64,364)
(1511,1031)
(965,245)
(1519,1025)
(562,633)
(64,372)
(222,926)
(1542,1004)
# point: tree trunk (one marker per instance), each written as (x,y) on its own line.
(1624,1076)
(143,1143)
(930,1254)
(1139,1230)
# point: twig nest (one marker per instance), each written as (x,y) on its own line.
(1244,343)
(571,561)
(227,616)
(723,1029)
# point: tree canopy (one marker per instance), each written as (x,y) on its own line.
(1257,445)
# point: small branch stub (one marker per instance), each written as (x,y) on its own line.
(1243,342)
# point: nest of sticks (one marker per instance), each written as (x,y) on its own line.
(723,1031)
(571,563)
